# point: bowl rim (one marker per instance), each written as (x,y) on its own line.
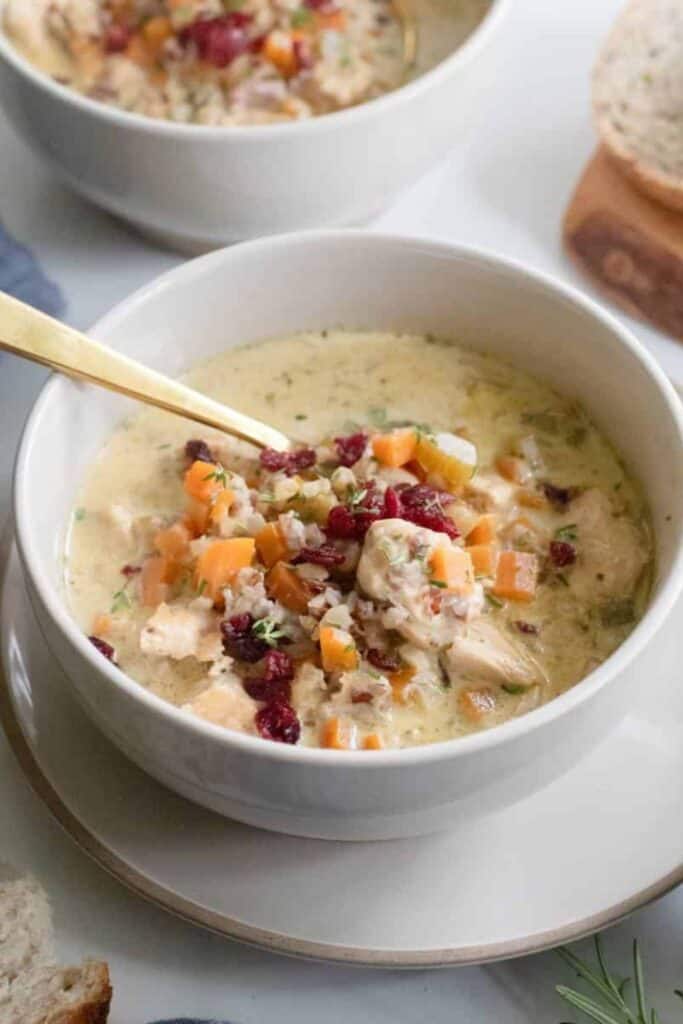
(55,605)
(412,89)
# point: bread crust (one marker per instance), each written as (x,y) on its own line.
(631,247)
(94,1008)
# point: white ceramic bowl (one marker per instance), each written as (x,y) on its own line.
(310,281)
(197,187)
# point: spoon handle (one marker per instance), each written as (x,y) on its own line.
(26,332)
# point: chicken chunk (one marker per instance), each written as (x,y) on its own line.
(394,569)
(176,632)
(611,554)
(490,492)
(483,654)
(225,704)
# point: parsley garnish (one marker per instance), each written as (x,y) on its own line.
(120,600)
(269,631)
(219,475)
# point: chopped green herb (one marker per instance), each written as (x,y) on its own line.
(220,475)
(617,612)
(492,599)
(438,583)
(301,416)
(163,447)
(567,532)
(269,631)
(378,416)
(544,420)
(120,600)
(562,578)
(513,688)
(300,17)
(79,515)
(201,587)
(356,497)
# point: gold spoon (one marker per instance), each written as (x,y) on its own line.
(403,9)
(31,334)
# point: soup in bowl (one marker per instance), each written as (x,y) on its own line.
(432,606)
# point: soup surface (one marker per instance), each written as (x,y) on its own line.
(235,62)
(451,544)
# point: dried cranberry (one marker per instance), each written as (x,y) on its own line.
(324,555)
(198,451)
(130,570)
(560,496)
(274,683)
(104,648)
(219,40)
(424,506)
(562,553)
(290,462)
(324,6)
(302,458)
(116,38)
(278,667)
(350,448)
(361,698)
(385,661)
(392,504)
(303,54)
(278,721)
(526,627)
(341,523)
(239,641)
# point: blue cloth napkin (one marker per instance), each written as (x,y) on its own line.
(22,276)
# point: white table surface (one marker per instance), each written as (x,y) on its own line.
(506,191)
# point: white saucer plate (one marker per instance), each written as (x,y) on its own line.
(577,856)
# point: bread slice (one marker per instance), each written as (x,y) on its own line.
(33,990)
(58,995)
(630,246)
(638,97)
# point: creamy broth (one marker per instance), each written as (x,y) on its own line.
(555,489)
(255,62)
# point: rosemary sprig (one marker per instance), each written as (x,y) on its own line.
(608,1004)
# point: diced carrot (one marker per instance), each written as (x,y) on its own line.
(221,505)
(475,704)
(332,737)
(155,33)
(196,517)
(483,559)
(483,531)
(173,542)
(102,624)
(287,587)
(220,562)
(530,499)
(338,650)
(511,468)
(399,680)
(373,742)
(451,567)
(138,51)
(396,448)
(157,573)
(278,48)
(201,481)
(271,545)
(334,21)
(516,576)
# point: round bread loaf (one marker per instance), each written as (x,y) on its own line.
(638,97)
